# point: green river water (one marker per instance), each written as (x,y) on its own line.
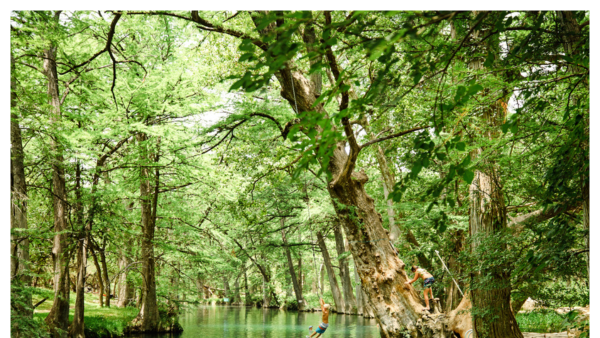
(248,322)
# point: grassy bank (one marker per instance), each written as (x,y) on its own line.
(99,321)
(542,321)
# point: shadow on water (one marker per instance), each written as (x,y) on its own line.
(248,322)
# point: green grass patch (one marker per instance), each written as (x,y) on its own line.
(100,322)
(541,321)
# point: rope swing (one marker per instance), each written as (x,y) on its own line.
(311,239)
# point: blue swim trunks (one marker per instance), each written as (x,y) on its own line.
(428,282)
(322,327)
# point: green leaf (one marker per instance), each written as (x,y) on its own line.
(460,146)
(468,176)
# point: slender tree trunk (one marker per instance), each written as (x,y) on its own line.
(226,288)
(359,294)
(58,318)
(78,326)
(349,299)
(98,276)
(321,280)
(248,296)
(295,283)
(106,280)
(148,317)
(200,286)
(125,286)
(333,284)
(236,291)
(19,250)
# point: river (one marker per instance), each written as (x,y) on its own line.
(249,322)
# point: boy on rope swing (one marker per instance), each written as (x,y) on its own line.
(324,321)
(428,280)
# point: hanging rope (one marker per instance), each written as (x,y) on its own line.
(444,264)
(294,91)
(311,239)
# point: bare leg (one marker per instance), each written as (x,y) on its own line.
(426,299)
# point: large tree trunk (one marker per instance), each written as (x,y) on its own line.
(395,305)
(19,248)
(295,284)
(492,314)
(333,284)
(349,299)
(59,313)
(148,317)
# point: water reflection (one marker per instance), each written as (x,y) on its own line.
(245,322)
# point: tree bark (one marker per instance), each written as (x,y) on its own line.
(58,318)
(248,297)
(98,276)
(333,284)
(349,299)
(148,317)
(295,284)
(106,280)
(359,294)
(78,325)
(20,262)
(491,313)
(125,286)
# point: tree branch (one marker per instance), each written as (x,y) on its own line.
(393,136)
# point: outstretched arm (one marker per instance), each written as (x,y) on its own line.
(322,304)
(414,279)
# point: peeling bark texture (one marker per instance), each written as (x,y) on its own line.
(492,314)
(59,313)
(295,284)
(333,283)
(349,299)
(19,247)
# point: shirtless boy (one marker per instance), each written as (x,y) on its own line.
(427,282)
(324,320)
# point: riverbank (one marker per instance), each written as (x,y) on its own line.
(100,322)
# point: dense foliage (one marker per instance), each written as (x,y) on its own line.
(178,122)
